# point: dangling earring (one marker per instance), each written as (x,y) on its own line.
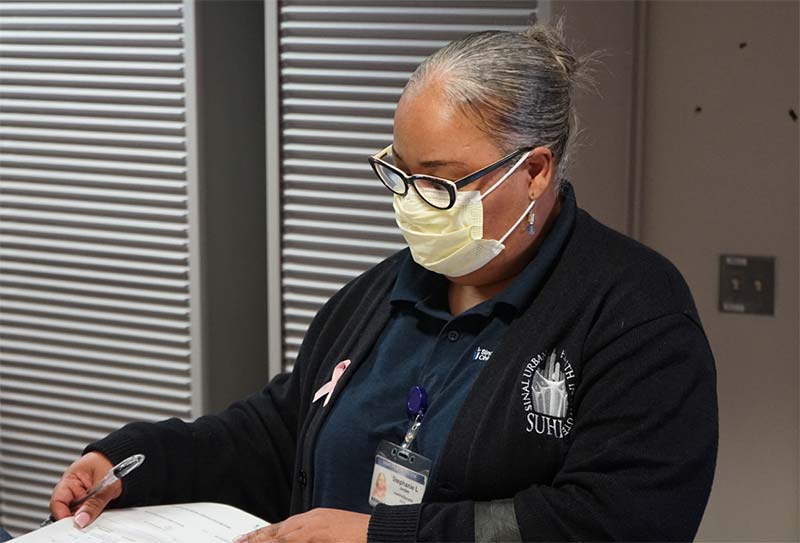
(531,228)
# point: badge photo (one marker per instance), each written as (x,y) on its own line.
(399,476)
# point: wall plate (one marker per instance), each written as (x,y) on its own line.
(747,284)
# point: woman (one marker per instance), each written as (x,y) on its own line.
(561,386)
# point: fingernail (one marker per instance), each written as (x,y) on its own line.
(82,519)
(241,539)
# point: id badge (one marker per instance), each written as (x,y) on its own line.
(399,476)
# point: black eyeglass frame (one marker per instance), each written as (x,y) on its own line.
(450,186)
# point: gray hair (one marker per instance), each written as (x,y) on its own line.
(517,87)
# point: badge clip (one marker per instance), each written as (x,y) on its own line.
(416,404)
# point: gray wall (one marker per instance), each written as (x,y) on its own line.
(722,180)
(725,180)
(230,39)
(601,170)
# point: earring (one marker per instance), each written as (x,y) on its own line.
(531,228)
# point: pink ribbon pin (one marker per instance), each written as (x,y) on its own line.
(327,389)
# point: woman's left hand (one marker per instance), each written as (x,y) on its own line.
(318,525)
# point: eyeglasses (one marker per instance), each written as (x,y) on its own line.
(438,192)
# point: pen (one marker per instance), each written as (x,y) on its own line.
(114,474)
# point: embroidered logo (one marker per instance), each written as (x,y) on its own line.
(548,383)
(482,354)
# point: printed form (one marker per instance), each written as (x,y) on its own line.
(179,523)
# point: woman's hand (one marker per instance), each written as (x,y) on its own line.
(80,477)
(318,525)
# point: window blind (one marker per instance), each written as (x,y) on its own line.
(97,206)
(343,65)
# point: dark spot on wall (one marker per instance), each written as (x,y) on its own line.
(793,115)
(698,109)
(742,45)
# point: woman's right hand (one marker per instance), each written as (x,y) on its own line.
(86,472)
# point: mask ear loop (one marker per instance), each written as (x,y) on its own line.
(516,224)
(506,176)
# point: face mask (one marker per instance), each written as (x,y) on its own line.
(451,241)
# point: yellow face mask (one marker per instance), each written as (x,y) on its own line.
(450,241)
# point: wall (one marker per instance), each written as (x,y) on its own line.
(721,180)
(601,167)
(725,180)
(230,38)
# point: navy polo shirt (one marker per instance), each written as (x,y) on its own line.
(422,344)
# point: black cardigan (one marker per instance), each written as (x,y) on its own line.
(633,458)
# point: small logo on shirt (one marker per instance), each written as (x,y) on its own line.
(548,383)
(482,354)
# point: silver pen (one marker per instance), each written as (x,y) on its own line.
(114,474)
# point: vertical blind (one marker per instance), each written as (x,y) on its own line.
(95,320)
(343,65)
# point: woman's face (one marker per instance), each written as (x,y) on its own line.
(431,137)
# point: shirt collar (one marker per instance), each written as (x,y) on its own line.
(428,290)
(415,284)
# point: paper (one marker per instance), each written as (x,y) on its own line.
(180,523)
